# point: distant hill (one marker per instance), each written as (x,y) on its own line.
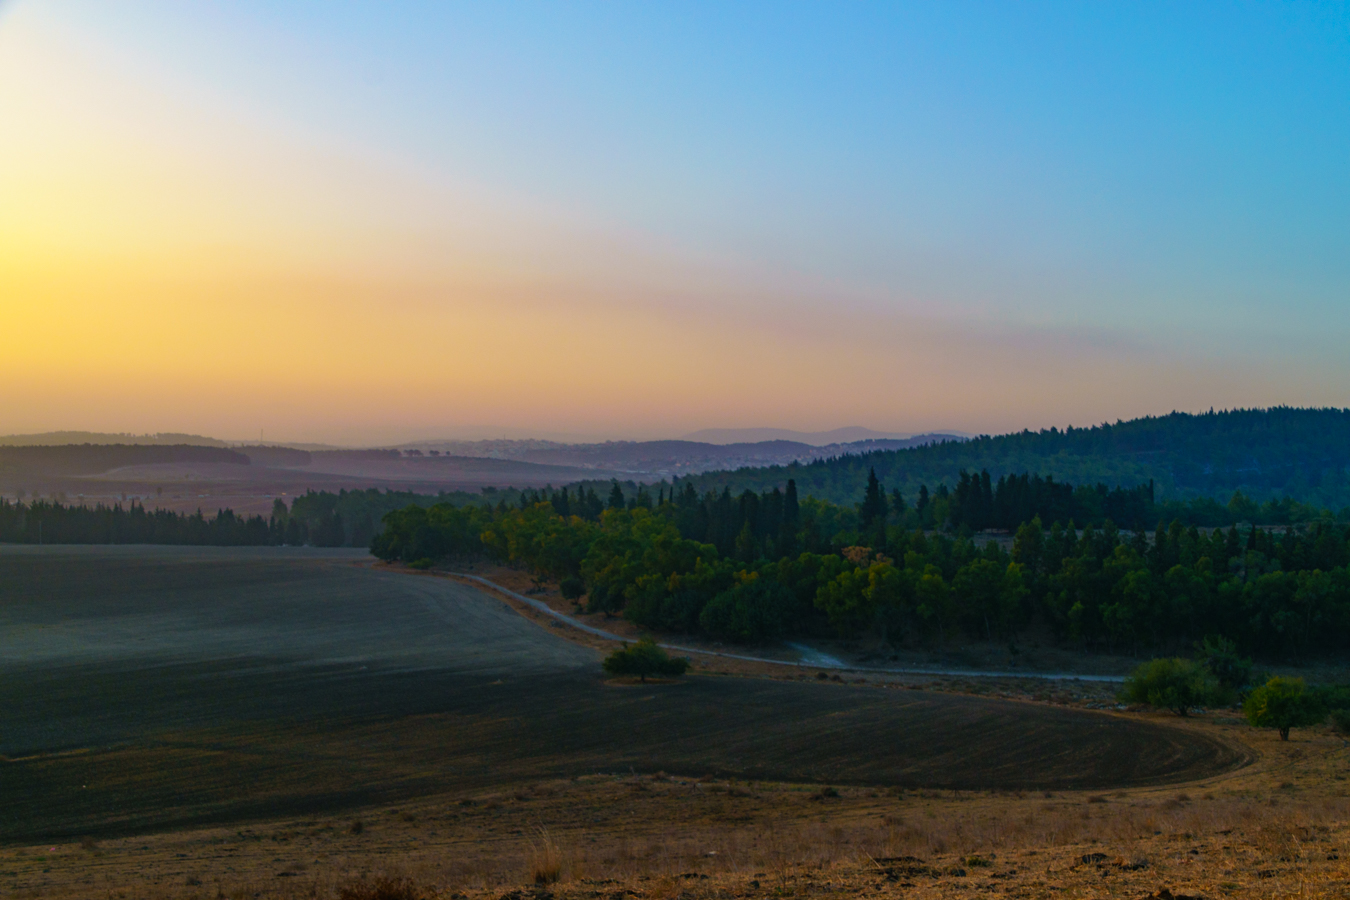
(1265,453)
(654,460)
(814,438)
(57,438)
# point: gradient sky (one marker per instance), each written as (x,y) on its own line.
(353,223)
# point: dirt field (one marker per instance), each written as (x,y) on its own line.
(253,723)
(164,687)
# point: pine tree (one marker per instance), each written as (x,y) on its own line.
(874,502)
(616,497)
(787,528)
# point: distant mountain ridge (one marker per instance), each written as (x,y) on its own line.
(814,438)
(61,438)
(654,460)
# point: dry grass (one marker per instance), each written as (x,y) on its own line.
(684,839)
(384,888)
(545,859)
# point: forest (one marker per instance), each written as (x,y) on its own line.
(762,566)
(1263,453)
(46,522)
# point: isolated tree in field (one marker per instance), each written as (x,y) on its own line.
(642,659)
(1284,703)
(1175,684)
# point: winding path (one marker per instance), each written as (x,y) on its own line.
(811,657)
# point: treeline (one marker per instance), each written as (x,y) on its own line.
(761,566)
(1262,453)
(320,519)
(43,522)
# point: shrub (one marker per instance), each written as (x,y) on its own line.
(642,659)
(1175,684)
(1220,656)
(572,587)
(423,563)
(1334,697)
(1340,720)
(1284,703)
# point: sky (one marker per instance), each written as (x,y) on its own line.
(362,223)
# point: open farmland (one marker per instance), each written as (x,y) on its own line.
(147,688)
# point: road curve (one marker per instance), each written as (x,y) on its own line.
(815,660)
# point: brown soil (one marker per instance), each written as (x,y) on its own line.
(1277,828)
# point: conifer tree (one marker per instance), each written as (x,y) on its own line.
(874,502)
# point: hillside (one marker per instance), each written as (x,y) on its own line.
(1264,453)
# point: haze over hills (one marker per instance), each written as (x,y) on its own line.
(1265,453)
(206,472)
(663,459)
(815,438)
(59,438)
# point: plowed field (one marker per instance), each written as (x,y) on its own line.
(160,687)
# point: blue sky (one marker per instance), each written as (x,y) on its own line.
(1152,187)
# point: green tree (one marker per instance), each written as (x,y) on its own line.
(642,659)
(890,591)
(989,596)
(1283,703)
(933,601)
(787,528)
(755,610)
(873,508)
(1175,684)
(1029,547)
(572,588)
(1220,655)
(845,600)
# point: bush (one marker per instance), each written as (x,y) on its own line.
(1284,703)
(1333,696)
(572,587)
(1340,720)
(750,612)
(642,659)
(423,563)
(1175,684)
(1220,656)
